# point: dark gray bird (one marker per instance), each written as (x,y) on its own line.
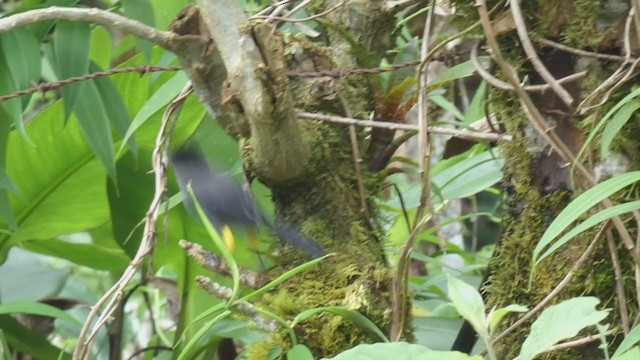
(226,203)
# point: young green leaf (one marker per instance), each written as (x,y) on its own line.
(468,302)
(562,321)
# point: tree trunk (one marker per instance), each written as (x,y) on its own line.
(538,180)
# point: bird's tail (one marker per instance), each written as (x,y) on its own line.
(294,238)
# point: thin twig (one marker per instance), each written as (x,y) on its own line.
(506,86)
(399,293)
(579,52)
(343,73)
(115,293)
(91,15)
(459,133)
(357,160)
(532,55)
(294,20)
(242,307)
(217,264)
(622,299)
(49,86)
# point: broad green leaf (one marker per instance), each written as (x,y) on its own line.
(351,315)
(71,41)
(35,308)
(469,304)
(142,11)
(632,338)
(632,354)
(100,48)
(68,195)
(617,122)
(299,352)
(89,255)
(37,280)
(559,322)
(22,55)
(592,221)
(158,100)
(116,110)
(92,117)
(581,205)
(29,342)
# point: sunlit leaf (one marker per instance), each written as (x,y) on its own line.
(468,302)
(68,195)
(100,48)
(562,321)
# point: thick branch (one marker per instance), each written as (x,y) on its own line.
(257,75)
(95,16)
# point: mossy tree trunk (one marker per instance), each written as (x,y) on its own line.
(538,182)
(317,184)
